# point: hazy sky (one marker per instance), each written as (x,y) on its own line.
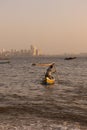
(54,26)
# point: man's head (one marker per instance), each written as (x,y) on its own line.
(51,66)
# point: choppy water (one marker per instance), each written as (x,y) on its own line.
(26,104)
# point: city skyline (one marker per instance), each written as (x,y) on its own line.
(54,26)
(32,51)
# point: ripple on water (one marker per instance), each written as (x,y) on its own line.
(30,123)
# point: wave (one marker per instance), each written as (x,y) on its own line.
(39,111)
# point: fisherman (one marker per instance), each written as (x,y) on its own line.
(50,70)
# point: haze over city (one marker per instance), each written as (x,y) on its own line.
(54,26)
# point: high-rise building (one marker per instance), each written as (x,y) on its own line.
(33,50)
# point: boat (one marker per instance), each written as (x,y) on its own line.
(4,61)
(70,58)
(48,81)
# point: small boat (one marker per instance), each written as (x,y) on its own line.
(4,61)
(70,58)
(48,81)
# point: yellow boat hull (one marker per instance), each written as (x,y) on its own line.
(49,81)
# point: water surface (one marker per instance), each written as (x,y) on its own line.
(25,103)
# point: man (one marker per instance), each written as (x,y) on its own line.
(50,70)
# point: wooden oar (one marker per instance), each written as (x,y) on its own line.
(40,64)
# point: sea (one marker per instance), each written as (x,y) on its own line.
(27,104)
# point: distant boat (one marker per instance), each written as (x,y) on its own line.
(70,58)
(4,61)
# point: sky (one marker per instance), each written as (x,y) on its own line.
(53,26)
